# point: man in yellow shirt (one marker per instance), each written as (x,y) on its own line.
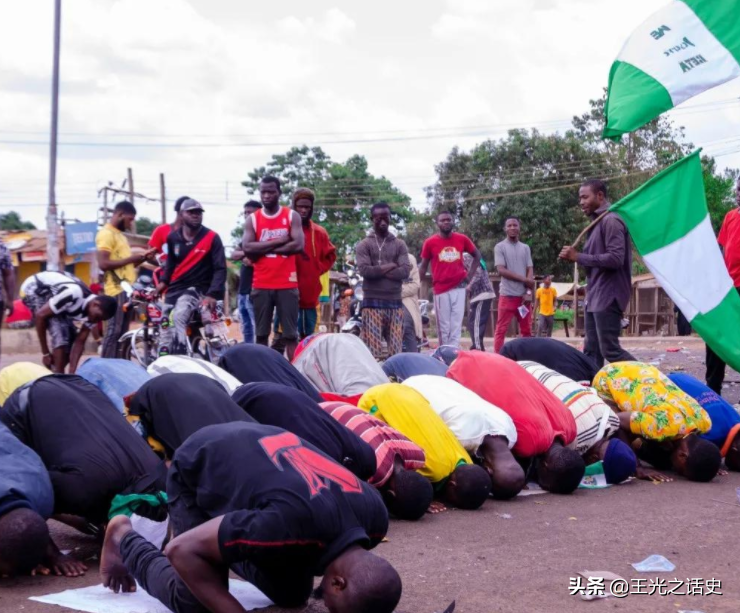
(448,465)
(116,261)
(546,296)
(662,422)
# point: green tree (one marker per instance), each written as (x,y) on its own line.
(145,226)
(344,193)
(719,188)
(535,177)
(12,221)
(528,175)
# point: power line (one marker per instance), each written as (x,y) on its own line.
(682,110)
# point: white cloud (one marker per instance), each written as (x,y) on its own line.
(229,73)
(333,27)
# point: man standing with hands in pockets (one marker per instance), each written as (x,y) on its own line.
(513,260)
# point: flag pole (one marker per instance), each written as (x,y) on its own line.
(579,238)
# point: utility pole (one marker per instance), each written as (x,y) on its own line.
(52,235)
(130,186)
(105,205)
(163,198)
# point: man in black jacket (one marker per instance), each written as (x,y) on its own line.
(194,276)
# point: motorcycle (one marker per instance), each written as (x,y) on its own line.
(354,323)
(206,341)
(424,310)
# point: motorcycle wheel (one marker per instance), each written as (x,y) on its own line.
(200,349)
(141,351)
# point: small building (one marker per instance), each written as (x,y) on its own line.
(28,251)
(651,311)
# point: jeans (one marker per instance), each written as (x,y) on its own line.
(173,340)
(508,308)
(116,327)
(602,336)
(545,326)
(307,320)
(246,314)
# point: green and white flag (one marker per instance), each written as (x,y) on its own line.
(682,50)
(668,220)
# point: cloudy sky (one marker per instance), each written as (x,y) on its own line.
(205,90)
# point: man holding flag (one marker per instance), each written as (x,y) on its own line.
(607,257)
(729,241)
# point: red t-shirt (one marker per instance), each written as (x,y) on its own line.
(158,239)
(274,271)
(540,418)
(729,239)
(446,256)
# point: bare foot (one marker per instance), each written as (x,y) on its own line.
(436,507)
(113,571)
(723,472)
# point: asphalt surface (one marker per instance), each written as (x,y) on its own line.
(519,556)
(489,563)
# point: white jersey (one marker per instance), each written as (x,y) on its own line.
(470,417)
(64,294)
(185,364)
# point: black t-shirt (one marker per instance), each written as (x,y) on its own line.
(277,405)
(290,509)
(553,354)
(208,275)
(245,279)
(91,452)
(252,363)
(175,405)
(404,365)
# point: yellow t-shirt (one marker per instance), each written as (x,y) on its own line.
(112,240)
(14,376)
(546,297)
(406,410)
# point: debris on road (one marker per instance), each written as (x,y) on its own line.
(654,564)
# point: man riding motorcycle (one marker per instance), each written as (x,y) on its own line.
(194,276)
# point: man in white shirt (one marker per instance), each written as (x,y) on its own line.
(58,301)
(486,431)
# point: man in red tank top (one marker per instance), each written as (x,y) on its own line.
(273,236)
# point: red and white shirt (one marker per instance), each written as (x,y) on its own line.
(274,271)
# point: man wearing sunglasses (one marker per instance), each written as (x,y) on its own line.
(194,275)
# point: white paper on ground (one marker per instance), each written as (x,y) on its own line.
(153,531)
(98,599)
(533,489)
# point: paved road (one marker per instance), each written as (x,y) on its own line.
(491,564)
(522,564)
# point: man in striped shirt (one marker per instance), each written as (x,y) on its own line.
(405,492)
(58,301)
(596,424)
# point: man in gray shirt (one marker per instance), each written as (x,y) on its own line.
(513,259)
(607,257)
